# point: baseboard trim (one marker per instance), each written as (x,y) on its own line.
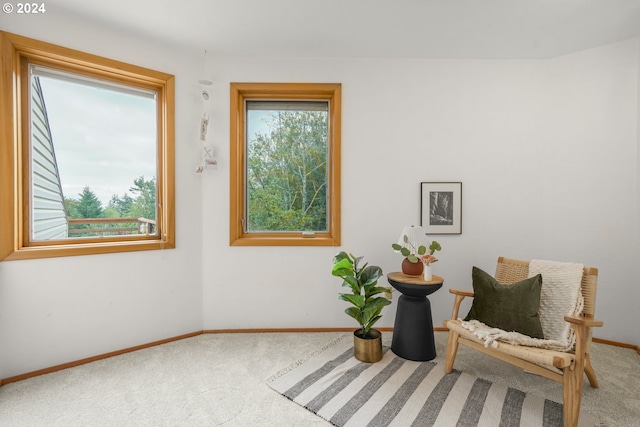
(230,331)
(289,330)
(617,344)
(93,359)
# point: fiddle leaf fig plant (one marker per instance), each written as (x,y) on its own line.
(362,280)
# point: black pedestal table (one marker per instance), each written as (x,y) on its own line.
(413,329)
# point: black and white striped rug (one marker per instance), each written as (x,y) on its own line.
(399,392)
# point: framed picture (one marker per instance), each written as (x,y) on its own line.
(441,207)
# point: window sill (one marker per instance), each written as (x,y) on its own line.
(259,239)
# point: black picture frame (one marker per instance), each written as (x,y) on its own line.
(441,207)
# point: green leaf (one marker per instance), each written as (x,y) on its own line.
(434,246)
(378,302)
(373,310)
(356,262)
(343,268)
(340,256)
(370,275)
(355,313)
(352,283)
(413,259)
(396,246)
(371,291)
(422,250)
(368,325)
(369,315)
(404,251)
(357,300)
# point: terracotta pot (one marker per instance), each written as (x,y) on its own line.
(414,269)
(369,349)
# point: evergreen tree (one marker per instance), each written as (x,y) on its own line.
(144,205)
(122,205)
(89,206)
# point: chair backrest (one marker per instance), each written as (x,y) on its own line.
(509,271)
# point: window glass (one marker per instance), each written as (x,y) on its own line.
(287,157)
(93,157)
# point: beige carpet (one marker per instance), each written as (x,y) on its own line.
(214,380)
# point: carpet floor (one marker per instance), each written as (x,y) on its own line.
(221,379)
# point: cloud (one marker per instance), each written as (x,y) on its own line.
(103,139)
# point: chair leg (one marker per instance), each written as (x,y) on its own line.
(572,394)
(591,373)
(452,350)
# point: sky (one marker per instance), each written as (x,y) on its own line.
(103,139)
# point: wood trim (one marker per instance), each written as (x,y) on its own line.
(286,330)
(617,344)
(239,92)
(9,163)
(17,51)
(228,331)
(93,359)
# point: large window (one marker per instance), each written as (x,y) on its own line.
(285,166)
(87,153)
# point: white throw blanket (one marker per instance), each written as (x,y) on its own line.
(491,336)
(560,295)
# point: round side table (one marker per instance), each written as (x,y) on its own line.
(413,329)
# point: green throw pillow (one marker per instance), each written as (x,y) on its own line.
(507,307)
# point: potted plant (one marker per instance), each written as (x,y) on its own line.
(366,304)
(411,265)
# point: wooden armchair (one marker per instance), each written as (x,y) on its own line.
(564,367)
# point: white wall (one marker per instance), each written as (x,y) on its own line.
(637,207)
(59,310)
(594,130)
(546,152)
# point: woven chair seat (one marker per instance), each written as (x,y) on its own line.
(539,356)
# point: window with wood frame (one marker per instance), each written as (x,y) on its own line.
(87,150)
(285,164)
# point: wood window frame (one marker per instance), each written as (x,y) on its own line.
(239,93)
(15,242)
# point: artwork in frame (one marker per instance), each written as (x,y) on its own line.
(441,207)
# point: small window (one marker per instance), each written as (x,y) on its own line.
(90,154)
(285,174)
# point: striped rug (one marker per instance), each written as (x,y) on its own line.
(399,392)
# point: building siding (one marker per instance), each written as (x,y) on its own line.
(48,214)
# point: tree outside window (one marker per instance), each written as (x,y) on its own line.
(287,166)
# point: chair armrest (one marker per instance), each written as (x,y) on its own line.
(460,295)
(461,292)
(583,321)
(582,326)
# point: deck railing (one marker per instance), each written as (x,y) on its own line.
(112,226)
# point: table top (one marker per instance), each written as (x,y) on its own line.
(398,276)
